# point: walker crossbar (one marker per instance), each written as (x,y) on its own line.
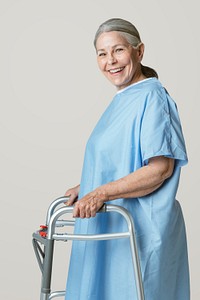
(45,256)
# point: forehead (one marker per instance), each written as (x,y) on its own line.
(110,39)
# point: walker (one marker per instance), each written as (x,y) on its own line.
(43,243)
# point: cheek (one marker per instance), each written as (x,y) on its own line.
(132,65)
(128,61)
(99,63)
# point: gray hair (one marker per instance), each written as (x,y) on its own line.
(125,28)
(130,33)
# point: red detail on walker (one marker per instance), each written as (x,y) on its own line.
(43,227)
(43,231)
(43,234)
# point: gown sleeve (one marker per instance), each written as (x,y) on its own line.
(161,132)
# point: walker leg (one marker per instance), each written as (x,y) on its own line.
(44,296)
(136,265)
(47,270)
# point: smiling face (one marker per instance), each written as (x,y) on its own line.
(118,60)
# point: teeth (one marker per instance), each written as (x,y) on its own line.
(116,70)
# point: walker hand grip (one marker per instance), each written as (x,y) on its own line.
(53,205)
(102,209)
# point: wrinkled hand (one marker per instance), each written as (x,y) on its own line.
(72,194)
(89,205)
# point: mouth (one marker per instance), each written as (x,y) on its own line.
(116,70)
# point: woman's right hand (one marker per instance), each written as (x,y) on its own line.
(72,194)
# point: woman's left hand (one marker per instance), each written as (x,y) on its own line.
(89,205)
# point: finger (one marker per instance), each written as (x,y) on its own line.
(69,202)
(93,210)
(82,211)
(100,206)
(88,211)
(76,212)
(67,193)
(72,199)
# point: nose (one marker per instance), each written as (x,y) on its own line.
(111,59)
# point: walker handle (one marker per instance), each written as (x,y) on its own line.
(62,200)
(53,205)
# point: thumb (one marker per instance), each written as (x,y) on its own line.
(71,200)
(68,201)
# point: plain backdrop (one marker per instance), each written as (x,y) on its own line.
(52,95)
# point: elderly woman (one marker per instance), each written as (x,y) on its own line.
(133,158)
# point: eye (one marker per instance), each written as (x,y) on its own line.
(118,50)
(101,54)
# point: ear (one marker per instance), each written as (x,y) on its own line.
(140,51)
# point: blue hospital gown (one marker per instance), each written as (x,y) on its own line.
(141,122)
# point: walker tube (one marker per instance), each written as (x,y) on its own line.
(47,270)
(57,294)
(38,253)
(53,206)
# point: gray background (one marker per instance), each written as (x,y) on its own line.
(52,94)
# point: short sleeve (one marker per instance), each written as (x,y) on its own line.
(161,132)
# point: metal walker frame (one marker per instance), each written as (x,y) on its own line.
(44,244)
